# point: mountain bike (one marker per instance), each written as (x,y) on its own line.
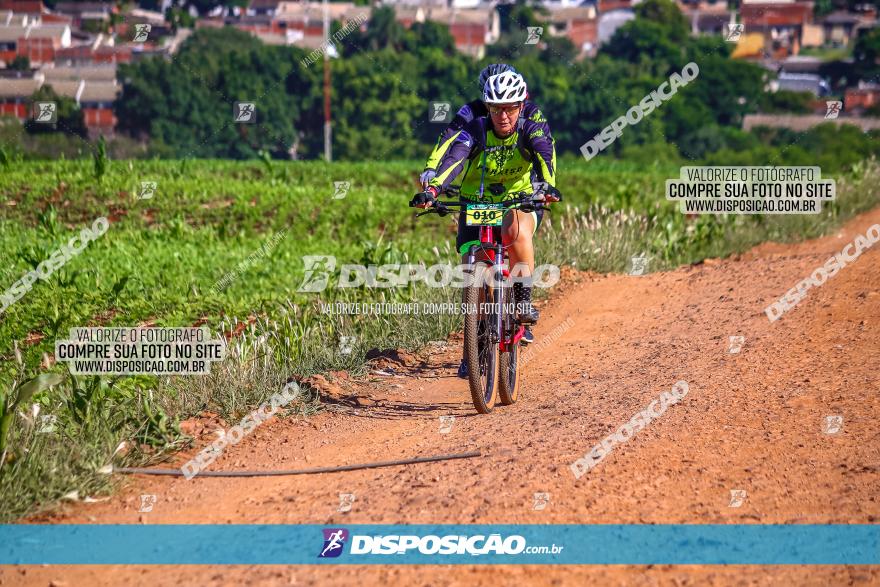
(491,331)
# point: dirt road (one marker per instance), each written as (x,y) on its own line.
(751,421)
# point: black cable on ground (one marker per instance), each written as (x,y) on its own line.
(179,473)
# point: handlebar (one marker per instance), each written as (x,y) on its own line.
(526,202)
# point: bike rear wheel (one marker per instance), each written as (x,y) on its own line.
(508,373)
(480,352)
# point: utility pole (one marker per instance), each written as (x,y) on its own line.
(328,132)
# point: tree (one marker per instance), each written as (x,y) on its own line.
(430,35)
(668,14)
(69,116)
(188,103)
(179,18)
(20,63)
(866,55)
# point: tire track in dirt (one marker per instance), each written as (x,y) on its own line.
(751,421)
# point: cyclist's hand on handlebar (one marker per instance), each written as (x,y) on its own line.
(424,199)
(545,192)
(552,195)
(426,176)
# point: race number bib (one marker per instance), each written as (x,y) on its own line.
(484,215)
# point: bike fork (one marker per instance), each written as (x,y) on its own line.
(497,294)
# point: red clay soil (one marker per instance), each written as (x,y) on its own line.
(751,421)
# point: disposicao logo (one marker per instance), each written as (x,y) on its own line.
(334,541)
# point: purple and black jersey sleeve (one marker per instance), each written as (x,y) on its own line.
(465,115)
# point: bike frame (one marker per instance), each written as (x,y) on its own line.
(496,254)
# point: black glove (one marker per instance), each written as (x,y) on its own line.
(423,199)
(552,195)
(547,191)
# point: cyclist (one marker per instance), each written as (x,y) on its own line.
(467,113)
(500,152)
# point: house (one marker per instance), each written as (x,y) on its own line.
(841,27)
(610,21)
(39,43)
(604,6)
(90,15)
(801,64)
(471,28)
(91,73)
(749,46)
(579,24)
(31,8)
(803,122)
(15,95)
(864,96)
(706,18)
(302,12)
(101,50)
(96,101)
(9,18)
(780,22)
(262,7)
(801,82)
(302,23)
(127,30)
(92,89)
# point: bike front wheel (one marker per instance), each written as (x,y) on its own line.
(480,352)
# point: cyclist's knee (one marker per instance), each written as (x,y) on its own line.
(517,237)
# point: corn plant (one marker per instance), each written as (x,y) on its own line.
(19,395)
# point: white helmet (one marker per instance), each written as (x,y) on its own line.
(504,88)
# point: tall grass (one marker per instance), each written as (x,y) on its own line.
(174,249)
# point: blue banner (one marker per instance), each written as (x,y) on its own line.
(710,544)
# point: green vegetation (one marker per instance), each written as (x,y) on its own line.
(186,255)
(160,259)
